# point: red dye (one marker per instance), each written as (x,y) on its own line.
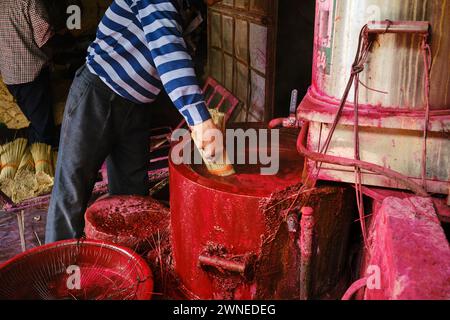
(410,247)
(248,179)
(127,220)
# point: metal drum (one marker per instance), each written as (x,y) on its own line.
(392,91)
(242,237)
(219,223)
(395,65)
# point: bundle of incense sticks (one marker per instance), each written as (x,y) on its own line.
(27,162)
(11,156)
(43,158)
(25,172)
(221,165)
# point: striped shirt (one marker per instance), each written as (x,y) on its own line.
(139,49)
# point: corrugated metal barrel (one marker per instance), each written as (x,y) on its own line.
(395,64)
(392,91)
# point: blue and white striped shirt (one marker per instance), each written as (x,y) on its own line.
(140,46)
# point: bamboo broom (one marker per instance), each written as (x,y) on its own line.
(221,166)
(25,184)
(11,157)
(27,162)
(43,158)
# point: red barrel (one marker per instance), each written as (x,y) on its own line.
(218,223)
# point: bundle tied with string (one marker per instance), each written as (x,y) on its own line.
(27,162)
(11,155)
(220,165)
(10,114)
(24,185)
(43,160)
(27,171)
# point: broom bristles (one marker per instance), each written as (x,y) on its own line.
(218,118)
(27,162)
(26,183)
(11,157)
(42,156)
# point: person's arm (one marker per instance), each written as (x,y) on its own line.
(172,61)
(175,68)
(39,19)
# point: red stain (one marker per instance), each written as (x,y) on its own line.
(410,247)
(130,221)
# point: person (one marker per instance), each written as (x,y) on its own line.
(25,32)
(139,49)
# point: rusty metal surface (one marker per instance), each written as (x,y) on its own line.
(305,243)
(279,265)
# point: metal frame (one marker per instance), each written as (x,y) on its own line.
(226,95)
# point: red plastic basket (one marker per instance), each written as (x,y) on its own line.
(50,272)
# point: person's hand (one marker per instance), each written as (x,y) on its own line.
(204,135)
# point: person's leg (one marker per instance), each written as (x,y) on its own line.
(86,139)
(35,101)
(128,161)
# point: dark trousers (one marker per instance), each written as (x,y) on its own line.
(98,124)
(35,101)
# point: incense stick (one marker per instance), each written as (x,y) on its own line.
(220,165)
(43,158)
(11,157)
